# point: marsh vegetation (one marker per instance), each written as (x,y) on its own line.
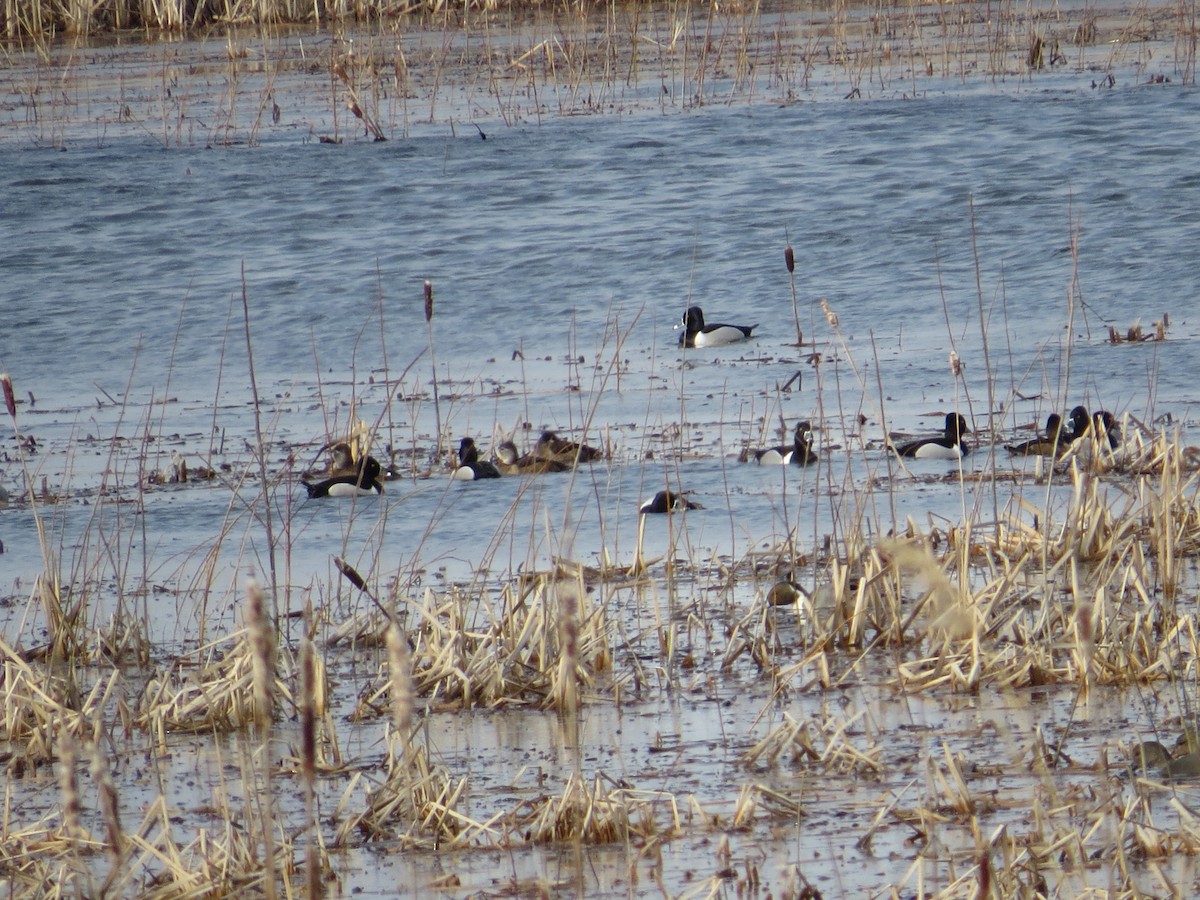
(860,676)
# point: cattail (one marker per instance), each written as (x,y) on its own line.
(428,301)
(568,602)
(10,400)
(68,783)
(107,800)
(400,672)
(308,715)
(1085,628)
(830,315)
(350,572)
(790,258)
(955,364)
(262,648)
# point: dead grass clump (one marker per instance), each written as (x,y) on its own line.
(216,696)
(1136,334)
(221,864)
(39,704)
(415,805)
(469,651)
(808,744)
(586,814)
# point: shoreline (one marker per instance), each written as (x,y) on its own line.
(395,79)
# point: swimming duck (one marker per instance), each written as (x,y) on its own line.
(786,593)
(949,445)
(667,501)
(1053,442)
(662,502)
(509,462)
(800,453)
(1186,766)
(551,446)
(1105,427)
(697,334)
(1149,755)
(470,468)
(362,479)
(1153,755)
(343,460)
(1079,422)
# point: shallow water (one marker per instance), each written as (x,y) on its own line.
(561,256)
(575,246)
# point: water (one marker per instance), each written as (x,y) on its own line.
(124,270)
(561,256)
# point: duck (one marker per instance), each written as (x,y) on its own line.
(949,445)
(551,447)
(1105,427)
(786,592)
(1079,422)
(1053,442)
(510,462)
(360,480)
(667,501)
(662,502)
(697,334)
(1149,755)
(800,453)
(470,468)
(343,460)
(1153,755)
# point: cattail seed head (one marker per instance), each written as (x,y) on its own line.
(955,364)
(400,671)
(830,315)
(308,716)
(109,807)
(262,651)
(428,301)
(790,258)
(10,400)
(68,784)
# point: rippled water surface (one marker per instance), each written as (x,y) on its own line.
(1010,230)
(562,256)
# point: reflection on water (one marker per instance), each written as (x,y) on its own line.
(1010,230)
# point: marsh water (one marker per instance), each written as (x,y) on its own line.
(1011,228)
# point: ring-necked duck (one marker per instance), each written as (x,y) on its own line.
(667,501)
(343,460)
(470,467)
(1104,425)
(551,446)
(363,479)
(697,334)
(1079,422)
(509,462)
(800,453)
(949,445)
(1052,443)
(662,502)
